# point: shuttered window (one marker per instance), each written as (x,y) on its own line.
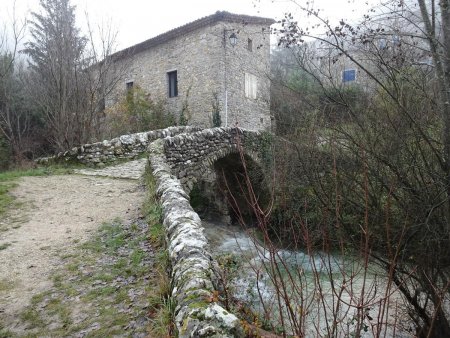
(251,86)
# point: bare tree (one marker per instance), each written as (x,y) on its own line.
(389,141)
(103,74)
(14,114)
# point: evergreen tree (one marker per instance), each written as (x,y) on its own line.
(58,76)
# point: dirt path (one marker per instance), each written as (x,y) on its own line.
(61,211)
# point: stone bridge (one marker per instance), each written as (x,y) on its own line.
(180,159)
(178,163)
(192,156)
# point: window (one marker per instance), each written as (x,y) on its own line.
(101,104)
(382,44)
(349,75)
(250,45)
(251,85)
(129,86)
(396,40)
(173,83)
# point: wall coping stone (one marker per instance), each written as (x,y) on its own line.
(108,151)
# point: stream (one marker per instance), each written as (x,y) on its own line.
(322,292)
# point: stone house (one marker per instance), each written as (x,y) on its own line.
(220,61)
(385,43)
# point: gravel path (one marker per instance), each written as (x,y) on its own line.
(132,169)
(61,211)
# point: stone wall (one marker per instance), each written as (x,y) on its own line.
(194,280)
(191,156)
(110,151)
(245,112)
(206,64)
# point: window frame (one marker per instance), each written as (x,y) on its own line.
(250,45)
(172,83)
(353,79)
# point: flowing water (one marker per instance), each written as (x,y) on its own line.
(318,290)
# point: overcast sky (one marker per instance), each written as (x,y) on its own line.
(138,20)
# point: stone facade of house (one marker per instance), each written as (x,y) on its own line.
(210,71)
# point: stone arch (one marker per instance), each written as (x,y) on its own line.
(192,157)
(213,157)
(231,178)
(218,192)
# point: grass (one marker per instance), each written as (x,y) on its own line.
(32,317)
(6,200)
(6,285)
(4,246)
(4,333)
(90,291)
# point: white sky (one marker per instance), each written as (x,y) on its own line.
(138,20)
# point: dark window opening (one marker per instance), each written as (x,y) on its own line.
(173,83)
(250,45)
(101,104)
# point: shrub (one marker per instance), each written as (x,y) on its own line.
(136,112)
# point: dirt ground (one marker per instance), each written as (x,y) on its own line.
(58,213)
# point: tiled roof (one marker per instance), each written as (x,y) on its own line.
(182,30)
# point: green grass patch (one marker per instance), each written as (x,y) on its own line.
(121,264)
(73,266)
(121,297)
(5,333)
(32,317)
(8,176)
(6,285)
(96,279)
(57,280)
(36,299)
(99,293)
(4,246)
(137,256)
(6,200)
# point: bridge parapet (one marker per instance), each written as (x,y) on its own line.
(127,146)
(194,271)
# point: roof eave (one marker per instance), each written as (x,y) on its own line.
(192,26)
